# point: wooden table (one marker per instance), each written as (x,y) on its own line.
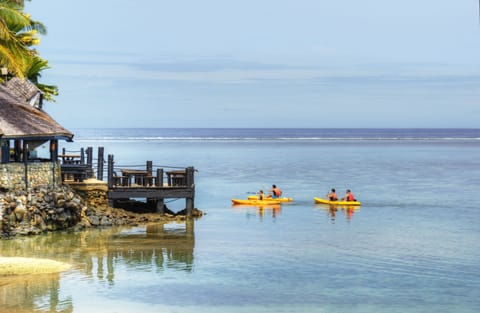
(70,158)
(137,177)
(176,178)
(77,172)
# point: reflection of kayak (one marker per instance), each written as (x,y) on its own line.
(279,199)
(339,202)
(275,207)
(335,207)
(255,202)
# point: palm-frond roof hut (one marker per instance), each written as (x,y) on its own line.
(24,123)
(21,114)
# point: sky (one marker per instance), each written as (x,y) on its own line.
(262,63)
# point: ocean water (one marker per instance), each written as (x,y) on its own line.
(413,245)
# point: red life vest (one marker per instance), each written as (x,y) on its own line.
(277,192)
(350,197)
(333,196)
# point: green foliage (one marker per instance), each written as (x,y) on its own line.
(18,36)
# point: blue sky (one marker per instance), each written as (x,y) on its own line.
(283,63)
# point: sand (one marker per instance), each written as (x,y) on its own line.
(24,266)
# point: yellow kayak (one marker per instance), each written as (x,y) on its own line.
(255,202)
(338,202)
(279,199)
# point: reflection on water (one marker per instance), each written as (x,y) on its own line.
(39,292)
(260,210)
(95,253)
(334,210)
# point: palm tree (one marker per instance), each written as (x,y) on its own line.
(18,34)
(33,72)
(13,53)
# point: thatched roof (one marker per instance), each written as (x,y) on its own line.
(24,90)
(19,119)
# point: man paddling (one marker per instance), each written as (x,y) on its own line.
(349,196)
(332,195)
(276,192)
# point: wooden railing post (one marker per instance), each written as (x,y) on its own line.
(110,170)
(159,180)
(89,153)
(100,163)
(90,156)
(82,156)
(190,173)
(149,168)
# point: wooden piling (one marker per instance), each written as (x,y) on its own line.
(189,202)
(160,206)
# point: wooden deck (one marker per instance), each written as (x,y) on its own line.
(125,183)
(75,167)
(152,183)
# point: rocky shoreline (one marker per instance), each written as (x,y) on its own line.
(46,209)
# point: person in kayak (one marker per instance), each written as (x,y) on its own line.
(276,192)
(260,195)
(332,195)
(349,196)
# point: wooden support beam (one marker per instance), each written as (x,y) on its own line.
(150,192)
(54,150)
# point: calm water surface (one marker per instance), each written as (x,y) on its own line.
(413,246)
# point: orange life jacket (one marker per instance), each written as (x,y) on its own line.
(350,197)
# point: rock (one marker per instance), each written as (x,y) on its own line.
(94,220)
(59,208)
(40,223)
(19,211)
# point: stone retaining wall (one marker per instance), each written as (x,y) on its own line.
(40,205)
(94,192)
(39,174)
(38,210)
(49,205)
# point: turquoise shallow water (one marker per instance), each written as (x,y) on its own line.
(411,247)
